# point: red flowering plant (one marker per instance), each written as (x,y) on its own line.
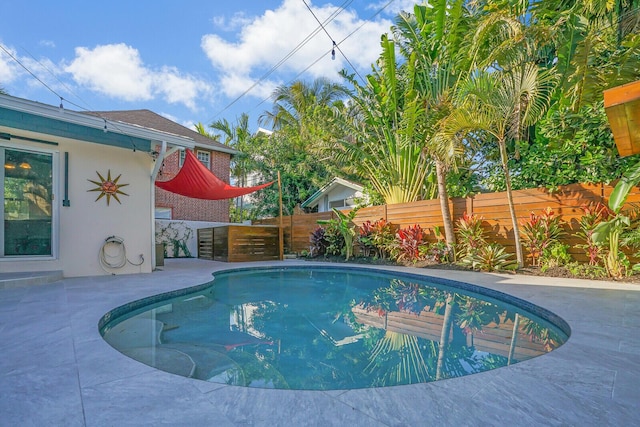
(375,237)
(408,244)
(593,214)
(539,232)
(470,235)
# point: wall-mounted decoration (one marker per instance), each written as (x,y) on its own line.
(108,187)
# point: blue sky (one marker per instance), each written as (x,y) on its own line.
(187,60)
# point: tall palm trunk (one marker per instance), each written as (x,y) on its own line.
(444,206)
(512,209)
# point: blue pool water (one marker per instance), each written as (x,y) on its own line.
(326,328)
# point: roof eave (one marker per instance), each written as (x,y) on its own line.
(68,116)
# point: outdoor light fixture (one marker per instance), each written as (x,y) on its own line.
(9,165)
(333,51)
(105,126)
(25,165)
(61,108)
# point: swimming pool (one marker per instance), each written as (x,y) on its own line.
(329,328)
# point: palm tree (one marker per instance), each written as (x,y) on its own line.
(302,107)
(441,64)
(239,137)
(384,128)
(503,104)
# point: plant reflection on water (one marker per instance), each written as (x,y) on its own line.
(326,329)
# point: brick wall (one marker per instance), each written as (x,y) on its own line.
(186,208)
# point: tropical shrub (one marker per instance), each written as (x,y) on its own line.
(587,271)
(470,235)
(490,257)
(408,243)
(375,238)
(438,252)
(334,238)
(343,227)
(539,232)
(593,214)
(631,237)
(610,231)
(318,242)
(555,255)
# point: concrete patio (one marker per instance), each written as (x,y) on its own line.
(56,370)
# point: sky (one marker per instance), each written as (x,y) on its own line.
(190,61)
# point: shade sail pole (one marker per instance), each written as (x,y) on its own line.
(280,229)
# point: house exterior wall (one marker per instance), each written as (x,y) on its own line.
(338,193)
(186,208)
(82,227)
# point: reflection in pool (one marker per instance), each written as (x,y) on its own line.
(328,328)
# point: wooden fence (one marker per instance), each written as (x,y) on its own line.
(492,207)
(237,243)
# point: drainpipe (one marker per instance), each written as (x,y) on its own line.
(163,154)
(154,174)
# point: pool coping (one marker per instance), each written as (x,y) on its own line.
(57,370)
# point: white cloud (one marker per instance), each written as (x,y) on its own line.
(238,20)
(114,70)
(118,71)
(266,40)
(8,67)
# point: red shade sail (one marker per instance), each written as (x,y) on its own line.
(196,181)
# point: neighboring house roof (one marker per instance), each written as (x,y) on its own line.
(18,113)
(335,182)
(149,119)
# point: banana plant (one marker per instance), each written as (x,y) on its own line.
(610,231)
(347,229)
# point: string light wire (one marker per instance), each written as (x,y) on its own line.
(323,55)
(284,59)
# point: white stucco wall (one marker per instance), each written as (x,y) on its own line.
(86,223)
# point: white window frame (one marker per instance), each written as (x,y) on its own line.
(340,203)
(204,157)
(183,154)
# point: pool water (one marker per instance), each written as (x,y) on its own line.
(330,328)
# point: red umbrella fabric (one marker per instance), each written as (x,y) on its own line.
(196,181)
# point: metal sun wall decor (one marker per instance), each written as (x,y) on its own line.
(108,187)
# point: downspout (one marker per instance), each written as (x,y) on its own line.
(163,154)
(154,174)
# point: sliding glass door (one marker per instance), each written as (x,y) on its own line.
(27,214)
